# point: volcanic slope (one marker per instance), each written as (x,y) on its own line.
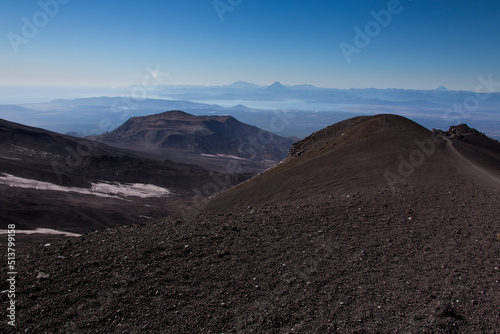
(368,153)
(49,180)
(214,142)
(343,236)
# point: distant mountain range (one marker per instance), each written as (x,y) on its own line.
(215,142)
(278,91)
(288,111)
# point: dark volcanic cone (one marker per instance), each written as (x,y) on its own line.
(209,141)
(363,153)
(356,231)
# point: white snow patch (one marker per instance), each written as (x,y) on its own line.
(223,156)
(10,158)
(102,189)
(42,231)
(129,190)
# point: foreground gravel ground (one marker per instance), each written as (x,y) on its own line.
(423,260)
(320,244)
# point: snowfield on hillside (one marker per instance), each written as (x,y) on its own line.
(102,189)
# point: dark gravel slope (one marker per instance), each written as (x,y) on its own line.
(38,154)
(347,253)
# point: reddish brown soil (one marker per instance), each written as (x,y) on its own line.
(321,244)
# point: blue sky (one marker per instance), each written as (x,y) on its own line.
(427,43)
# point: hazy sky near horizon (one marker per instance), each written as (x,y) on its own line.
(422,44)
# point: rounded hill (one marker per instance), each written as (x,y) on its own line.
(202,140)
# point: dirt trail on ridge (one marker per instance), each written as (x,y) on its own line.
(483,172)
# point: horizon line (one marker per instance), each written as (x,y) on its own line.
(87,86)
